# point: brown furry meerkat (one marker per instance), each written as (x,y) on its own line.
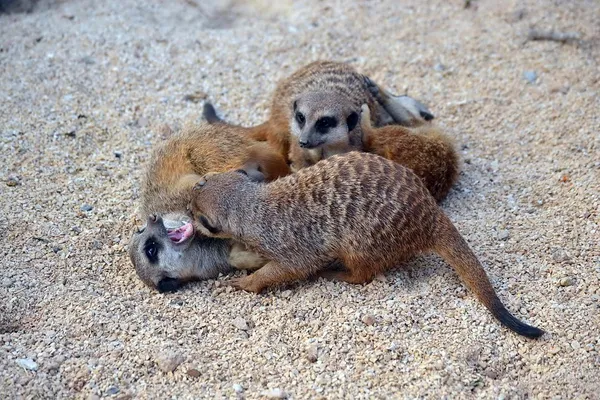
(429,153)
(368,212)
(168,251)
(315,111)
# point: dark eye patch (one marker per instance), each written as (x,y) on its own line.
(151,249)
(352,120)
(208,226)
(323,124)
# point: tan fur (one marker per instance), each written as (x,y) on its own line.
(429,153)
(360,209)
(175,166)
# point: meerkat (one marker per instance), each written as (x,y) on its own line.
(168,251)
(368,212)
(425,149)
(314,112)
(429,153)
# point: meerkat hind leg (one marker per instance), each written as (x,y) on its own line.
(404,110)
(272,274)
(356,271)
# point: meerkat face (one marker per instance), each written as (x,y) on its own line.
(323,119)
(210,208)
(163,252)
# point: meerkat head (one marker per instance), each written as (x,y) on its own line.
(215,195)
(166,253)
(323,118)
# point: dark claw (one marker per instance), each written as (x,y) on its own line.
(427,116)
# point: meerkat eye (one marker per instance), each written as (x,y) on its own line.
(300,119)
(151,250)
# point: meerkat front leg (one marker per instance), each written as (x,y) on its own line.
(242,258)
(272,274)
(404,110)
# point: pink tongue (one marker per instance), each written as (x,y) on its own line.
(181,234)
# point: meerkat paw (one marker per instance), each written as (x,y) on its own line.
(245,283)
(202,181)
(373,88)
(417,109)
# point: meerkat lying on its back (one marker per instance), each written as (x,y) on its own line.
(425,150)
(168,251)
(369,213)
(315,112)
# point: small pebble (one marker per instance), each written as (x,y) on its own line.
(286,294)
(86,207)
(7,282)
(530,76)
(12,181)
(368,319)
(240,323)
(238,388)
(143,121)
(560,256)
(312,353)
(118,154)
(27,363)
(567,281)
(168,362)
(503,235)
(112,391)
(575,345)
(195,97)
(88,60)
(275,394)
(194,373)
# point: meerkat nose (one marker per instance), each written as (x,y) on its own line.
(303,143)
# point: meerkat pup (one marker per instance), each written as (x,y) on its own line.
(368,212)
(315,112)
(168,250)
(429,153)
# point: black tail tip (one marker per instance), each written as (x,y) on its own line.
(512,323)
(209,113)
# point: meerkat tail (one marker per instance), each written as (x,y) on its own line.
(210,114)
(451,246)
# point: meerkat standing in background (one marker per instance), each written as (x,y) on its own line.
(369,213)
(429,153)
(315,111)
(168,251)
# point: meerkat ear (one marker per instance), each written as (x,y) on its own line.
(214,229)
(253,171)
(352,120)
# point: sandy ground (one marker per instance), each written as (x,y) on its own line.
(83,84)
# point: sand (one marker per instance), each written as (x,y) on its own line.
(84,86)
